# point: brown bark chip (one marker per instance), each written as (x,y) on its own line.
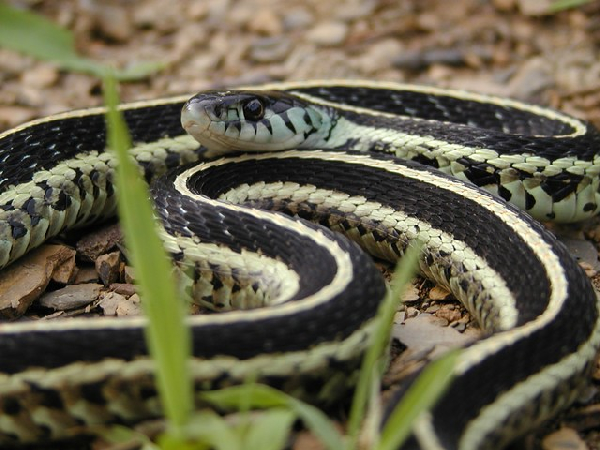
(26,280)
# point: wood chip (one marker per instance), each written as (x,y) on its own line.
(130,307)
(71,297)
(423,333)
(123,288)
(26,280)
(110,302)
(449,313)
(109,267)
(438,293)
(411,293)
(98,242)
(66,272)
(86,275)
(114,304)
(129,275)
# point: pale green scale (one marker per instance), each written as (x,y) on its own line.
(286,189)
(296,116)
(216,128)
(551,170)
(537,160)
(319,119)
(565,207)
(247,132)
(525,167)
(576,170)
(38,233)
(232,114)
(483,155)
(232,132)
(592,170)
(279,129)
(262,135)
(588,193)
(249,267)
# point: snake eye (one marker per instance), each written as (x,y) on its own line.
(253,109)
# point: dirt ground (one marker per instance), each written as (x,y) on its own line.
(514,48)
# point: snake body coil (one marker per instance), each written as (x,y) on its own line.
(298,299)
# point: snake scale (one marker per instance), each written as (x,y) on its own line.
(383,164)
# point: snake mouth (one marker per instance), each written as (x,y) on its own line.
(196,116)
(200,119)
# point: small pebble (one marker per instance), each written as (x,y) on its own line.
(411,312)
(328,33)
(504,5)
(41,77)
(114,22)
(563,439)
(355,9)
(399,317)
(532,77)
(265,21)
(379,56)
(432,309)
(270,49)
(297,19)
(535,7)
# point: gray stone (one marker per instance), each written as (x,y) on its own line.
(71,297)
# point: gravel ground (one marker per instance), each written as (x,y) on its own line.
(513,48)
(507,47)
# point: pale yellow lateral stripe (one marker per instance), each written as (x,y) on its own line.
(551,263)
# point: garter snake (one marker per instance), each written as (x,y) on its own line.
(297,299)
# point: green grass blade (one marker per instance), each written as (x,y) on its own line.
(35,36)
(401,277)
(269,430)
(168,339)
(260,396)
(140,69)
(421,396)
(250,395)
(562,5)
(318,423)
(205,431)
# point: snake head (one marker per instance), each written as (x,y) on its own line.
(225,121)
